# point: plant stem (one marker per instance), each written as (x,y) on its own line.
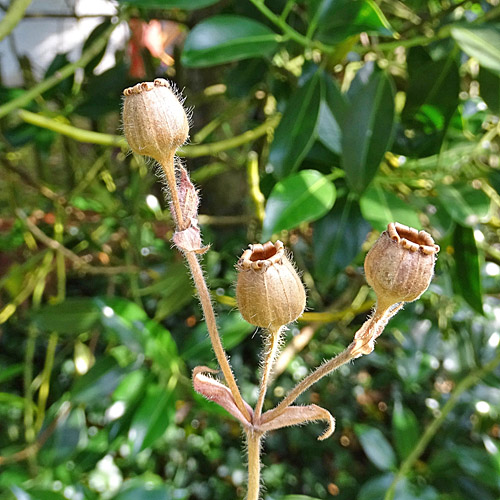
(12,17)
(92,51)
(471,379)
(273,344)
(253,446)
(203,293)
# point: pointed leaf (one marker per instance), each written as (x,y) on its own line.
(367,129)
(297,129)
(226,38)
(481,42)
(218,393)
(302,197)
(467,275)
(405,430)
(379,207)
(376,447)
(297,415)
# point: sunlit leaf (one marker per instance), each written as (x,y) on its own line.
(302,197)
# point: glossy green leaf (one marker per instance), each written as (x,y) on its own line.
(170,4)
(405,430)
(375,445)
(151,418)
(98,384)
(481,42)
(333,108)
(73,316)
(338,237)
(467,269)
(302,197)
(489,88)
(367,129)
(466,205)
(376,489)
(379,207)
(340,19)
(297,129)
(143,492)
(226,38)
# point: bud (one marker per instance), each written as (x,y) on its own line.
(400,265)
(269,291)
(154,121)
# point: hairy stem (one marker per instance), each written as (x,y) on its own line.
(253,445)
(274,341)
(203,293)
(466,383)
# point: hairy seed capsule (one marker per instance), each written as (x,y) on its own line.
(400,265)
(269,291)
(154,121)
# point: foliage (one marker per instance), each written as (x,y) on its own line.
(373,111)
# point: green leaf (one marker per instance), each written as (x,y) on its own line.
(226,38)
(376,446)
(467,270)
(302,197)
(298,497)
(466,205)
(340,19)
(367,128)
(481,42)
(151,418)
(143,492)
(170,4)
(333,108)
(405,430)
(489,88)
(296,131)
(73,316)
(379,207)
(338,237)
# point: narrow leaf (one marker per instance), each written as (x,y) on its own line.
(482,43)
(467,275)
(376,447)
(302,197)
(367,129)
(297,129)
(226,38)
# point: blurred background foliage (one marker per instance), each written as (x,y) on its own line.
(317,122)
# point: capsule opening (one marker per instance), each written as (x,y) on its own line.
(263,252)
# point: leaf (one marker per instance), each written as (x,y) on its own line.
(340,19)
(338,237)
(367,128)
(299,497)
(405,430)
(379,207)
(298,415)
(332,111)
(481,42)
(218,393)
(154,414)
(227,38)
(467,270)
(143,492)
(466,205)
(170,4)
(296,131)
(302,197)
(376,447)
(73,316)
(489,89)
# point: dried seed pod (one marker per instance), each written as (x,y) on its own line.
(154,120)
(269,291)
(400,265)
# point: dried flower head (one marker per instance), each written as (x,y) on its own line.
(400,265)
(154,120)
(269,291)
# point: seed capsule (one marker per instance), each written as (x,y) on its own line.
(154,121)
(400,265)
(269,291)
